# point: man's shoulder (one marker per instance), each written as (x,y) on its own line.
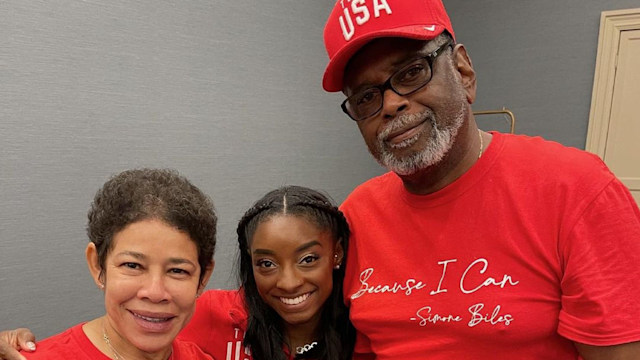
(531,152)
(375,187)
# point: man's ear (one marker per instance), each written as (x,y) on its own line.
(91,254)
(467,74)
(205,278)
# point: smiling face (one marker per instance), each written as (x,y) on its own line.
(415,131)
(293,261)
(151,278)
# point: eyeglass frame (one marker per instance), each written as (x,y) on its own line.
(430,57)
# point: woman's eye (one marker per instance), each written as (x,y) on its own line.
(265,264)
(309,259)
(131,265)
(179,271)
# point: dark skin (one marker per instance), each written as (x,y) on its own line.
(381,58)
(434,95)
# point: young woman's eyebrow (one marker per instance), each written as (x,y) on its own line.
(301,248)
(308,245)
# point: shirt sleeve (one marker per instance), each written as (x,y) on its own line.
(198,330)
(600,283)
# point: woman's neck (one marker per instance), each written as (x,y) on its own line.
(106,339)
(301,335)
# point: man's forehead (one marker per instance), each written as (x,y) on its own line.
(382,56)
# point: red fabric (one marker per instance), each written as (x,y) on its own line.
(75,345)
(536,244)
(353,24)
(218,325)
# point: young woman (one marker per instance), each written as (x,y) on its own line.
(152,240)
(292,246)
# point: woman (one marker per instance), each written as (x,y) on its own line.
(152,240)
(292,246)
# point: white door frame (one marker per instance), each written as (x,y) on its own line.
(611,24)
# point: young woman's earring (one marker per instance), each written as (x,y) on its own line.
(337,265)
(101,286)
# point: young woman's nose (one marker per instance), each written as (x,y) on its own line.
(289,279)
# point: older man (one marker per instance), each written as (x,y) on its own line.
(475,245)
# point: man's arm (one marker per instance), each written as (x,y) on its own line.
(11,341)
(629,351)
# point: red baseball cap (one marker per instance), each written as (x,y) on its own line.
(353,23)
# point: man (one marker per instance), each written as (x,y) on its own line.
(475,245)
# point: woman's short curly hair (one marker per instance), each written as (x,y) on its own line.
(161,194)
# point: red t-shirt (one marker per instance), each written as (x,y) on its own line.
(218,325)
(75,345)
(534,245)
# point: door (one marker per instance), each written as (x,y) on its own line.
(618,120)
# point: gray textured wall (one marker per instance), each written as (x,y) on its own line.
(228,92)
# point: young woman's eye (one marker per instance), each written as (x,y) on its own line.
(309,259)
(267,264)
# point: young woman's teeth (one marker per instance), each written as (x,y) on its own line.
(296,300)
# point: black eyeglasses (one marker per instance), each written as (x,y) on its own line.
(405,81)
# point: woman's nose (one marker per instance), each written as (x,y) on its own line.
(154,289)
(289,279)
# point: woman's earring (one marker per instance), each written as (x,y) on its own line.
(337,265)
(101,286)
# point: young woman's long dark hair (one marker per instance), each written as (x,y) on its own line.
(265,329)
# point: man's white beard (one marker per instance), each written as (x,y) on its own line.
(439,143)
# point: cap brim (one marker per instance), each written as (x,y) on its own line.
(334,73)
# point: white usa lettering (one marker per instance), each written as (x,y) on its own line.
(360,9)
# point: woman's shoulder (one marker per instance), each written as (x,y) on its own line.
(224,301)
(186,350)
(69,344)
